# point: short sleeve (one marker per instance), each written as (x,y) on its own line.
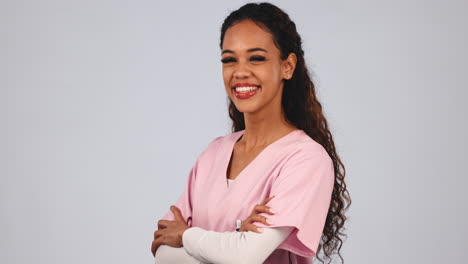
(184,203)
(302,193)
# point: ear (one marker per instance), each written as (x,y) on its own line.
(289,64)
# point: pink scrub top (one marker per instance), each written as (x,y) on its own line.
(295,169)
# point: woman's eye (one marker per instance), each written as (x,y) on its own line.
(257,58)
(228,59)
(253,58)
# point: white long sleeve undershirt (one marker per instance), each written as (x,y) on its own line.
(204,246)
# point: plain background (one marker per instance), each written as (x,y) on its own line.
(105,106)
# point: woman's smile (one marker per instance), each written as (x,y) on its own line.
(245,90)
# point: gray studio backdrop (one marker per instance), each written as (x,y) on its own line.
(105,106)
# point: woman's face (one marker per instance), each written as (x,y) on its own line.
(251,60)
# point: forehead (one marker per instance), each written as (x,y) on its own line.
(245,35)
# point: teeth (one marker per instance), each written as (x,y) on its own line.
(246,89)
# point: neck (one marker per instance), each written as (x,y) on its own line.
(263,128)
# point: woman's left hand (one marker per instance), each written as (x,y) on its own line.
(170,232)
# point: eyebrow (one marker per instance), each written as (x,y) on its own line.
(249,50)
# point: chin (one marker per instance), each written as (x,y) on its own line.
(247,109)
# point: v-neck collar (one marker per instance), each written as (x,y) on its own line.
(235,137)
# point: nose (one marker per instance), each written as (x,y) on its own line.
(242,70)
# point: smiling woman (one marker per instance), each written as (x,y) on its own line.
(278,164)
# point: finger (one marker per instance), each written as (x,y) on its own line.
(177,214)
(250,227)
(162,224)
(267,200)
(155,245)
(158,233)
(263,209)
(247,220)
(261,219)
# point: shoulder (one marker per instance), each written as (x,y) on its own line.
(305,161)
(218,145)
(225,139)
(222,140)
(303,147)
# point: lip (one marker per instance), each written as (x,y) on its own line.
(244,84)
(245,95)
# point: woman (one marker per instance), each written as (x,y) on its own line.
(281,152)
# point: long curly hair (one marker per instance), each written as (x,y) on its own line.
(301,108)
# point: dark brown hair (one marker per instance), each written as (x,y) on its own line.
(302,109)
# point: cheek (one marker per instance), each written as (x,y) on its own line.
(227,73)
(274,75)
(267,75)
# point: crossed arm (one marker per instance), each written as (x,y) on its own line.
(204,246)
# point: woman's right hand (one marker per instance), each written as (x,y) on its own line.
(247,224)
